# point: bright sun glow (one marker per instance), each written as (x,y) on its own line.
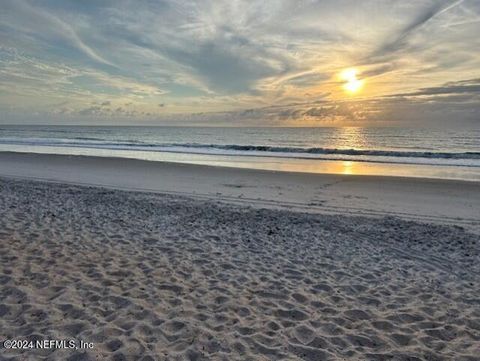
(352,84)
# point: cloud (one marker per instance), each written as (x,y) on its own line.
(38,22)
(307,79)
(227,68)
(93,110)
(265,61)
(421,18)
(26,76)
(469,86)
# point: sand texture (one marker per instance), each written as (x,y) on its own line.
(164,277)
(429,200)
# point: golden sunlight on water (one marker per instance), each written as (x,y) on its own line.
(349,138)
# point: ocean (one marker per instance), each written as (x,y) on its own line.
(394,151)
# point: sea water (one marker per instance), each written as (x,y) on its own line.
(436,153)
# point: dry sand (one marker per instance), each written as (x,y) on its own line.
(165,277)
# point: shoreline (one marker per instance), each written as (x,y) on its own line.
(148,161)
(423,199)
(262,162)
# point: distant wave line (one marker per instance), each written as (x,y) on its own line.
(138,145)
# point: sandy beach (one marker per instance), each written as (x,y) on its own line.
(239,180)
(159,261)
(430,200)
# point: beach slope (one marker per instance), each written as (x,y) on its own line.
(157,276)
(429,200)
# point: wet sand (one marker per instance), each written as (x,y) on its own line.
(428,200)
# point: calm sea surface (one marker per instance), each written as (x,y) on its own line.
(450,154)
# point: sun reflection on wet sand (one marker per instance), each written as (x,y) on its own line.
(347,167)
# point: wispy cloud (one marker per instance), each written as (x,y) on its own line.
(419,20)
(22,16)
(228,57)
(470,86)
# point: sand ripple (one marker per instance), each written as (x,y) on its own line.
(154,277)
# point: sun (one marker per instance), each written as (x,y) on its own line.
(352,83)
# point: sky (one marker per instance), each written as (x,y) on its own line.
(240,63)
